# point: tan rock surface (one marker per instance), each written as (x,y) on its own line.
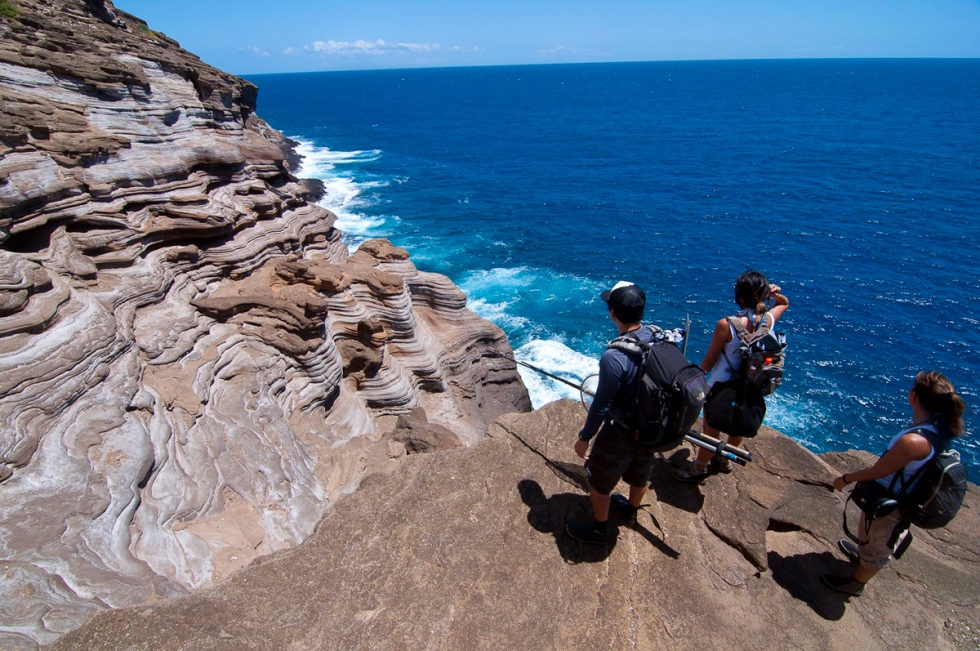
(192,369)
(466,549)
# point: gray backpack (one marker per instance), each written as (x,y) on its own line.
(763,354)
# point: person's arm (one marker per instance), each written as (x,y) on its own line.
(721,336)
(780,302)
(610,379)
(909,448)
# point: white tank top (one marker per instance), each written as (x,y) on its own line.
(912,466)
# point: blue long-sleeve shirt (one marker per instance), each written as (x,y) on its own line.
(618,375)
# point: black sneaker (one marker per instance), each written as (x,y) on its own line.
(689,475)
(626,511)
(850,550)
(719,465)
(846,584)
(585,533)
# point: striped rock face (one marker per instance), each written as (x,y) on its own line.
(192,365)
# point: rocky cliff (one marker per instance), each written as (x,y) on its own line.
(466,549)
(192,366)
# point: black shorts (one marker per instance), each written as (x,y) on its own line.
(616,455)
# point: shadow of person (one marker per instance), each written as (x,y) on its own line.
(686,497)
(551,514)
(800,576)
(573,473)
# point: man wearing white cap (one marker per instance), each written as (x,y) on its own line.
(615,453)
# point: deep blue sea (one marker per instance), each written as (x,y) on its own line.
(854,184)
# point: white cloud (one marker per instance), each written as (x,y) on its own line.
(564,51)
(259,52)
(368,48)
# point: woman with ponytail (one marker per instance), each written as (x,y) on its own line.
(723,361)
(936,410)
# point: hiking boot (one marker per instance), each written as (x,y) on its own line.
(846,584)
(626,511)
(689,474)
(719,465)
(584,532)
(850,550)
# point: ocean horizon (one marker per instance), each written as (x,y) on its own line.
(851,183)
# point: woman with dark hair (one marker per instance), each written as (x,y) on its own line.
(723,361)
(937,413)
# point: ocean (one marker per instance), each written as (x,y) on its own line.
(853,184)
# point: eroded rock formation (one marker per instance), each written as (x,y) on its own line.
(466,549)
(192,367)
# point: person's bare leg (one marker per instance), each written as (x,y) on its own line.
(600,505)
(636,495)
(865,574)
(704,454)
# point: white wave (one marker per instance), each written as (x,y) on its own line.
(798,417)
(320,162)
(502,285)
(340,192)
(343,193)
(555,358)
(497,313)
(497,279)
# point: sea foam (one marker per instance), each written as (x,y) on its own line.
(558,359)
(344,195)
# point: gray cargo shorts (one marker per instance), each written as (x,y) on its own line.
(882,539)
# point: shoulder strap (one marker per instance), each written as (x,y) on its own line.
(627,343)
(772,321)
(939,445)
(744,334)
(740,330)
(630,342)
(938,440)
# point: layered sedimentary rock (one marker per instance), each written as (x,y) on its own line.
(192,366)
(467,549)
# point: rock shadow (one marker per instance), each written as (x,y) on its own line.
(800,576)
(686,497)
(551,514)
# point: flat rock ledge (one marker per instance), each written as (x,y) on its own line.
(466,549)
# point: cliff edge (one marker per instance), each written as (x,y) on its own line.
(466,549)
(193,368)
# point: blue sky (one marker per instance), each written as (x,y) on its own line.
(251,37)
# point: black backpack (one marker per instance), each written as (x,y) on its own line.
(669,394)
(934,500)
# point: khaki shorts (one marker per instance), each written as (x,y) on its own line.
(876,552)
(616,455)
